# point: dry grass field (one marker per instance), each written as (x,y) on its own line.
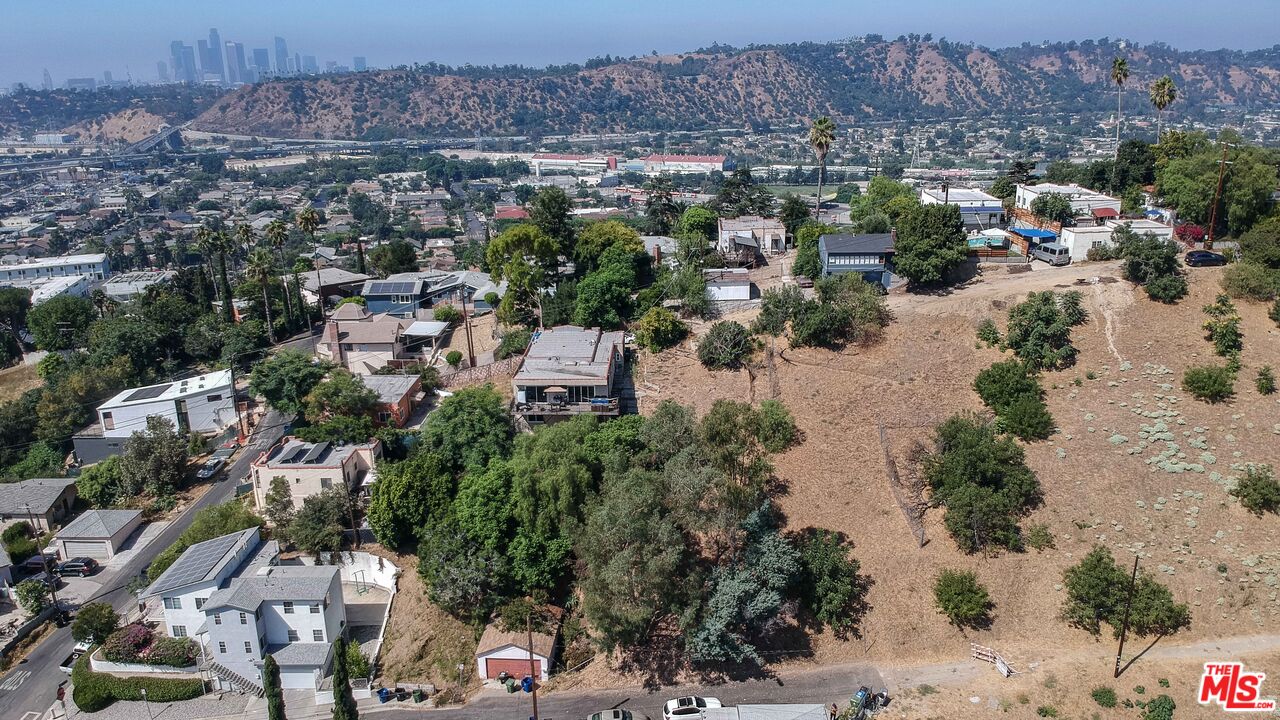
(16,380)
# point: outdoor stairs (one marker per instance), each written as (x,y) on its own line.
(237,681)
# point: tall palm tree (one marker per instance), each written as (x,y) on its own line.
(821,135)
(220,242)
(277,235)
(308,221)
(262,270)
(1163,93)
(244,238)
(208,248)
(1119,76)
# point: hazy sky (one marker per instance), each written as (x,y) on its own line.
(79,38)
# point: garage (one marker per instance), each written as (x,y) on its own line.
(515,668)
(97,534)
(502,651)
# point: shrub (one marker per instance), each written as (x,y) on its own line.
(513,343)
(1274,314)
(1258,491)
(95,691)
(659,329)
(446,314)
(1251,281)
(1038,536)
(1028,418)
(777,429)
(726,346)
(1104,696)
(962,599)
(127,644)
(1266,381)
(1072,304)
(1167,288)
(1161,707)
(33,596)
(988,332)
(175,652)
(453,357)
(1102,252)
(1016,397)
(1209,383)
(357,663)
(1040,332)
(1223,327)
(20,530)
(830,585)
(1047,711)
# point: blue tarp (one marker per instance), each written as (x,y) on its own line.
(1034,233)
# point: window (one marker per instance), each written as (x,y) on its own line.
(222,648)
(244,619)
(178,631)
(212,398)
(172,603)
(248,647)
(293,636)
(317,635)
(288,607)
(384,417)
(217,618)
(200,602)
(326,483)
(108,422)
(315,608)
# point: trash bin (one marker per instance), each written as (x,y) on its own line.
(383,695)
(417,695)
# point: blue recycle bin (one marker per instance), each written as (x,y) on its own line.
(383,695)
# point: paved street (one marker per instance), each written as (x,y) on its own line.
(28,689)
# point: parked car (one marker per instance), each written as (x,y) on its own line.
(688,706)
(1205,258)
(70,662)
(79,567)
(617,714)
(1052,253)
(39,563)
(211,468)
(50,581)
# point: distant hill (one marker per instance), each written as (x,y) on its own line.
(727,87)
(109,114)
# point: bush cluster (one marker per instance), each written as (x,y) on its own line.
(1014,394)
(1040,329)
(1258,491)
(1104,696)
(726,346)
(1266,382)
(962,599)
(95,691)
(988,333)
(1210,383)
(137,643)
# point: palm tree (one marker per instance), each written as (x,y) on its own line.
(221,243)
(1119,75)
(308,221)
(262,269)
(244,238)
(1163,93)
(277,235)
(208,247)
(821,135)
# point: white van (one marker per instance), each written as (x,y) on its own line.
(1052,253)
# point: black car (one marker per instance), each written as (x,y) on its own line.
(79,567)
(1205,258)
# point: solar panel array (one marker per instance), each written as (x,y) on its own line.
(315,452)
(147,393)
(196,563)
(392,287)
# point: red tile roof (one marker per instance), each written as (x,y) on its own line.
(510,214)
(1105,212)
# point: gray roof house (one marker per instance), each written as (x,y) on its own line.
(569,370)
(41,501)
(97,534)
(870,255)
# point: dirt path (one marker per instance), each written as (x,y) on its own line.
(976,295)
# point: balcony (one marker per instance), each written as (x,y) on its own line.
(598,406)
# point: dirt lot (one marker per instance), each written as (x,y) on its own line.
(16,380)
(1099,486)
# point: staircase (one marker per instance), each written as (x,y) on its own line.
(238,681)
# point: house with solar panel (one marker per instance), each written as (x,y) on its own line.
(311,468)
(200,404)
(364,343)
(412,295)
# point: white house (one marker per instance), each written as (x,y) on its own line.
(94,265)
(751,234)
(728,284)
(1080,239)
(311,468)
(978,209)
(501,651)
(1083,200)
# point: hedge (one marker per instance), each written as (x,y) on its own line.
(93,691)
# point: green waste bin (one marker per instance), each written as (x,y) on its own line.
(417,695)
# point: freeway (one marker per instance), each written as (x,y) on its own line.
(28,690)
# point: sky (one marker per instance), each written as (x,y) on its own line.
(81,38)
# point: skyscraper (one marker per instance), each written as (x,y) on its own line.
(297,64)
(215,66)
(262,60)
(183,58)
(237,70)
(206,65)
(106,78)
(309,64)
(358,62)
(282,56)
(162,71)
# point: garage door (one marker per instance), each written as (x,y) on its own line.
(297,679)
(96,549)
(514,668)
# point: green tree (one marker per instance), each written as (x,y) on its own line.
(659,329)
(963,599)
(279,507)
(262,270)
(829,583)
(394,257)
(822,134)
(930,242)
(33,596)
(469,429)
(271,688)
(410,494)
(1119,75)
(1261,243)
(101,484)
(700,221)
(1004,187)
(154,460)
(344,703)
(629,549)
(793,214)
(777,307)
(15,303)
(660,209)
(317,526)
(776,429)
(61,323)
(523,255)
(1039,332)
(808,260)
(343,393)
(726,346)
(277,234)
(1052,208)
(550,211)
(1097,589)
(94,622)
(1163,93)
(285,379)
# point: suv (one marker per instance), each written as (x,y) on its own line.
(689,706)
(1052,253)
(79,567)
(39,563)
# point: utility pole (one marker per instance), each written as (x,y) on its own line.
(44,559)
(533,672)
(235,400)
(1217,195)
(466,323)
(1128,603)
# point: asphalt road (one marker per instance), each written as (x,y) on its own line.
(824,687)
(30,687)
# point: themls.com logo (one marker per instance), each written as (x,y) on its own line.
(1236,690)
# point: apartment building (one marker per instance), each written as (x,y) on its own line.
(311,468)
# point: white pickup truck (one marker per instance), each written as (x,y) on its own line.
(80,649)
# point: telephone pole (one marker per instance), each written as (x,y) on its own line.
(1217,196)
(533,670)
(1128,603)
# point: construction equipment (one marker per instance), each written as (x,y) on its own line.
(864,703)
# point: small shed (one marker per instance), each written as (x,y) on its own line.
(728,284)
(503,651)
(97,534)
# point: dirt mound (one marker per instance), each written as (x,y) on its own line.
(126,126)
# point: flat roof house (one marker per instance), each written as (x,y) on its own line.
(569,370)
(97,534)
(978,210)
(751,234)
(727,284)
(870,255)
(312,468)
(201,404)
(365,343)
(40,501)
(398,395)
(1083,200)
